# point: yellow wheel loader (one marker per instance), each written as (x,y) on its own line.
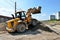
(22,20)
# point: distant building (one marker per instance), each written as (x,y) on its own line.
(58,15)
(52,17)
(4,18)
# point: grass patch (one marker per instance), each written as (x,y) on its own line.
(52,22)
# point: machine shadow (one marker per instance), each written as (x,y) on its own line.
(28,32)
(34,30)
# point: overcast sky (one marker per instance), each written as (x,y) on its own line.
(48,7)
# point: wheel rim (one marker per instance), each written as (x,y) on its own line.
(22,29)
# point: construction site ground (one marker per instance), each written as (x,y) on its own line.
(44,31)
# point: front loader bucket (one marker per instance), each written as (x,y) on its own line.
(36,10)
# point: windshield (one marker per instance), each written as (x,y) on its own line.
(23,14)
(20,14)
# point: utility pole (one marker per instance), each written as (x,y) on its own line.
(15,7)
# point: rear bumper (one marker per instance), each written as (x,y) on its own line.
(9,29)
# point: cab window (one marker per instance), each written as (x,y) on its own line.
(23,14)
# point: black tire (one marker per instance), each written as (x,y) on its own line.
(34,22)
(21,28)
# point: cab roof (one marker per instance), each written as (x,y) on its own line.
(19,11)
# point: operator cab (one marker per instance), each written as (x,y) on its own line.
(20,14)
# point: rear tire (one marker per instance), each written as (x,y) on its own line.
(21,28)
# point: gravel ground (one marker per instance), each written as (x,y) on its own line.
(39,36)
(40,33)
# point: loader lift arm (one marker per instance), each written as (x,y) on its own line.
(33,11)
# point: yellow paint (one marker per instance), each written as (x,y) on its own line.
(14,22)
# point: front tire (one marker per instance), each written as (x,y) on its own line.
(34,22)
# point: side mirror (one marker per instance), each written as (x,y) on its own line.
(12,16)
